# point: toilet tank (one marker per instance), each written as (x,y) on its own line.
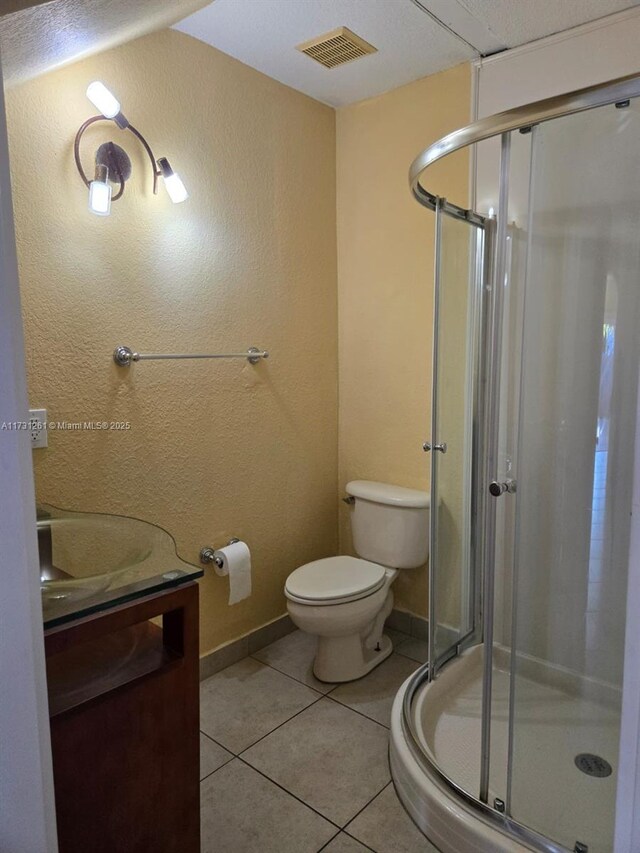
(390,524)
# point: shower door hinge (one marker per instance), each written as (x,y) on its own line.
(498,805)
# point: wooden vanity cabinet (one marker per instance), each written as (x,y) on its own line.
(124,712)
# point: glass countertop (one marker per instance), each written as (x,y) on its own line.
(93,561)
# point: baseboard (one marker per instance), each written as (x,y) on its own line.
(417,626)
(236,650)
(408,623)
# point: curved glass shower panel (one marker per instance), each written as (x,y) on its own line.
(514,743)
(581,354)
(458,291)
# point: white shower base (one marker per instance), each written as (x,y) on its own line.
(557,717)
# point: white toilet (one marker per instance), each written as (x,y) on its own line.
(345,600)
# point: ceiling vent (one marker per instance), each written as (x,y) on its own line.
(336,48)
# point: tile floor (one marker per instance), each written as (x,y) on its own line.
(292,765)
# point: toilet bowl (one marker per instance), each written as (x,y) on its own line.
(344,601)
(348,618)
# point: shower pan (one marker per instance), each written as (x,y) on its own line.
(509,738)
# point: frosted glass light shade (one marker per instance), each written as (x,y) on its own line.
(100,198)
(103,100)
(176,189)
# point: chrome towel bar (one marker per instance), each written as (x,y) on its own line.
(124,356)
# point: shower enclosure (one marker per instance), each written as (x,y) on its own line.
(509,738)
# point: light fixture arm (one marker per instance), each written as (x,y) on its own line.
(147,148)
(76,154)
(136,133)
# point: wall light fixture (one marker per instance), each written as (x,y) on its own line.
(112,163)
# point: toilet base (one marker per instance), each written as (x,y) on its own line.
(341,659)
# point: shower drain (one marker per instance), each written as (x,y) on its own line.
(593,765)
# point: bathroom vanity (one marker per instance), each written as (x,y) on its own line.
(122,676)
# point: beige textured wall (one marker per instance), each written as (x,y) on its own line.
(215,448)
(385,285)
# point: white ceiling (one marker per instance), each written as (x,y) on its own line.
(414,37)
(49,34)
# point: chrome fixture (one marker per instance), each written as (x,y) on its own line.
(350,500)
(112,163)
(617,91)
(208,555)
(441,447)
(496,489)
(124,356)
(485,457)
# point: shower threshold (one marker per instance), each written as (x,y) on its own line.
(554,722)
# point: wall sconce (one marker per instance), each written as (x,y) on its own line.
(112,163)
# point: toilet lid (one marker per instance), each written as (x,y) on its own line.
(335,578)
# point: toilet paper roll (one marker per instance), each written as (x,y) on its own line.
(236,562)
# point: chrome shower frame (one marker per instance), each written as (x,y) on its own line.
(486,413)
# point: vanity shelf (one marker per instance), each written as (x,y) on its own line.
(123,699)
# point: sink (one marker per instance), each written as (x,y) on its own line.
(89,559)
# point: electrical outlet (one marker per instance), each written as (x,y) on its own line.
(38,428)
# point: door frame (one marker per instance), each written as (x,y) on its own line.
(27,822)
(479,268)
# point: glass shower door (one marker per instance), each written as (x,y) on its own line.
(459,260)
(581,357)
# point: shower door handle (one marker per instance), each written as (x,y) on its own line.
(441,447)
(496,489)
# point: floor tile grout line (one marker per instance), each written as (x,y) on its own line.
(341,829)
(294,678)
(278,785)
(366,805)
(262,663)
(408,657)
(313,809)
(320,696)
(294,796)
(279,726)
(353,838)
(213,740)
(333,838)
(239,756)
(218,768)
(335,686)
(315,701)
(360,713)
(396,649)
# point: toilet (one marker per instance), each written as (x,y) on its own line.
(345,601)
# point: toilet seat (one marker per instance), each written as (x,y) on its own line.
(334,580)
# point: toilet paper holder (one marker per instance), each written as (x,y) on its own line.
(208,554)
